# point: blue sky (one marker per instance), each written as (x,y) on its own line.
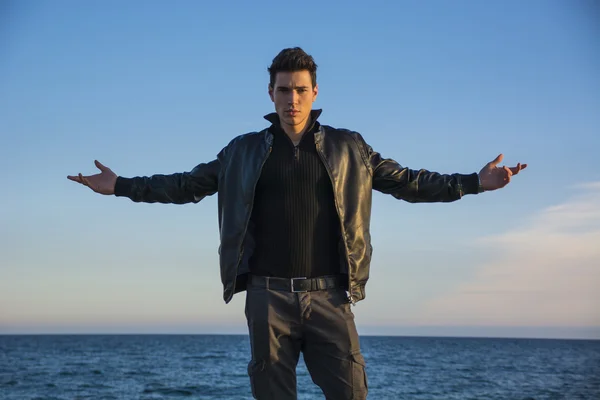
(158,87)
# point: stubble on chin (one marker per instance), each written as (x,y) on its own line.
(301,120)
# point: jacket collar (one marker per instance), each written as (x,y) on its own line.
(274,118)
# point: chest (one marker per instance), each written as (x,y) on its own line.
(293,167)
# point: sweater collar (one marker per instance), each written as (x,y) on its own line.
(274,118)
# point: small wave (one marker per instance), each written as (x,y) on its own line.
(94,386)
(36,373)
(139,373)
(67,373)
(204,357)
(76,364)
(46,398)
(12,382)
(171,391)
(97,372)
(158,388)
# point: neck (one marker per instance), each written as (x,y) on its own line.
(295,132)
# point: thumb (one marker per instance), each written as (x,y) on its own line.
(100,166)
(497,160)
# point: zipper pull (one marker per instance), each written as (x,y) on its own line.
(351,299)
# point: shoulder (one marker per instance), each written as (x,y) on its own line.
(343,134)
(348,139)
(245,139)
(250,136)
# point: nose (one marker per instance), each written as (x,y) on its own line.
(293,98)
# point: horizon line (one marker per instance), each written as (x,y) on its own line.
(413,336)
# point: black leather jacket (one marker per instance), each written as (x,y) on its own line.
(354,168)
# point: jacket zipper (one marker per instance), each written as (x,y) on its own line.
(241,251)
(337,208)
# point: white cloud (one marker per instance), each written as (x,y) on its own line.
(547,273)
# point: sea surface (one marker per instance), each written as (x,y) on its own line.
(103,367)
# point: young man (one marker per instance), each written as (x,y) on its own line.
(294,214)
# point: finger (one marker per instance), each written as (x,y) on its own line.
(508,176)
(76,179)
(84,180)
(518,168)
(496,161)
(100,166)
(515,170)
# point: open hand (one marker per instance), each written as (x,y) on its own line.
(493,177)
(103,183)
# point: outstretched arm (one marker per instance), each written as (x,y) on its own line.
(425,186)
(179,188)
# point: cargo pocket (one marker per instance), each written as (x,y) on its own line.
(257,379)
(359,377)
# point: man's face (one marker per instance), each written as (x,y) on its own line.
(293,96)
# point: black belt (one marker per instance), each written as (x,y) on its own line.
(296,285)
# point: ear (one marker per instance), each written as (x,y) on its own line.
(271,93)
(315,91)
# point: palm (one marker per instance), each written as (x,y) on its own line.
(493,177)
(103,183)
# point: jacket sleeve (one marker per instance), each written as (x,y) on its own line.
(417,186)
(179,188)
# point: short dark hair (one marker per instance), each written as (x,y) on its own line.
(292,60)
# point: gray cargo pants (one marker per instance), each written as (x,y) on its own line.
(318,323)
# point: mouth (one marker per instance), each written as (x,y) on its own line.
(292,113)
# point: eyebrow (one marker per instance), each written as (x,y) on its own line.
(288,87)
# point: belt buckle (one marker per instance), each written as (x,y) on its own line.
(292,285)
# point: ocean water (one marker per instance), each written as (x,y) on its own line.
(103,367)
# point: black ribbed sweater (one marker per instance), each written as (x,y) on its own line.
(294,221)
